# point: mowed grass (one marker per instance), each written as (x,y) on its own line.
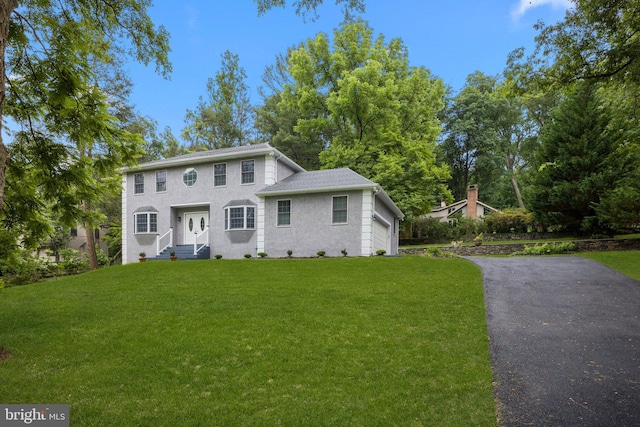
(626,262)
(357,341)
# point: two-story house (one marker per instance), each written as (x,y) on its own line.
(252,199)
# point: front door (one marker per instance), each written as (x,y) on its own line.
(194,224)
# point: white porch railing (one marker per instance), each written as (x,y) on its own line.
(199,240)
(166,237)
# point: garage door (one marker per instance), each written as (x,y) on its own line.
(380,236)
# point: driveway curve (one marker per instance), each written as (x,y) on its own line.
(565,341)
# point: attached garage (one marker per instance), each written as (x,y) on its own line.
(381,236)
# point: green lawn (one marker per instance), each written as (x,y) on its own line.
(626,262)
(357,341)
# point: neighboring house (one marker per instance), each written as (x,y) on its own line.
(252,199)
(470,207)
(77,240)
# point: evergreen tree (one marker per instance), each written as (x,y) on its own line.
(577,164)
(224,118)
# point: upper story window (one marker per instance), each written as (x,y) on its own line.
(284,213)
(138,180)
(190,177)
(220,175)
(248,171)
(339,210)
(161,181)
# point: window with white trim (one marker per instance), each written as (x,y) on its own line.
(220,175)
(248,167)
(284,213)
(339,213)
(161,181)
(145,222)
(138,180)
(239,218)
(190,177)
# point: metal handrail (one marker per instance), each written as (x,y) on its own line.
(195,242)
(158,239)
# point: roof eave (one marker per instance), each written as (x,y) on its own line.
(263,193)
(174,162)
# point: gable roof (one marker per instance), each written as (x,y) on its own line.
(220,154)
(320,181)
(461,204)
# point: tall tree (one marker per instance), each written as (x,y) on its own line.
(517,141)
(277,121)
(224,118)
(470,135)
(578,164)
(48,48)
(375,113)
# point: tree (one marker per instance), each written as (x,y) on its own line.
(372,111)
(69,142)
(277,121)
(470,135)
(224,118)
(597,40)
(48,49)
(307,8)
(578,164)
(517,137)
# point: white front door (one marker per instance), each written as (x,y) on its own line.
(194,224)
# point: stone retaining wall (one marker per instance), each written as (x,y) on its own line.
(508,249)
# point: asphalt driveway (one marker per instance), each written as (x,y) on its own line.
(565,341)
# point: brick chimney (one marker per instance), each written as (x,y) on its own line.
(472,201)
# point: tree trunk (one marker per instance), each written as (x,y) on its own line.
(91,246)
(6,9)
(91,240)
(516,189)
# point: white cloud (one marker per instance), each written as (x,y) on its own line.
(525,5)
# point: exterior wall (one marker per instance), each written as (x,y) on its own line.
(179,199)
(79,242)
(311,229)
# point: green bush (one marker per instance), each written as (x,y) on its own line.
(433,231)
(72,262)
(247,256)
(320,253)
(548,249)
(515,221)
(380,252)
(262,254)
(439,253)
(218,256)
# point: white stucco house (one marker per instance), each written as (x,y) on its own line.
(248,200)
(470,207)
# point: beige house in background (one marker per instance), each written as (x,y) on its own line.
(470,207)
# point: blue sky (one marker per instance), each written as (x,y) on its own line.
(451,38)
